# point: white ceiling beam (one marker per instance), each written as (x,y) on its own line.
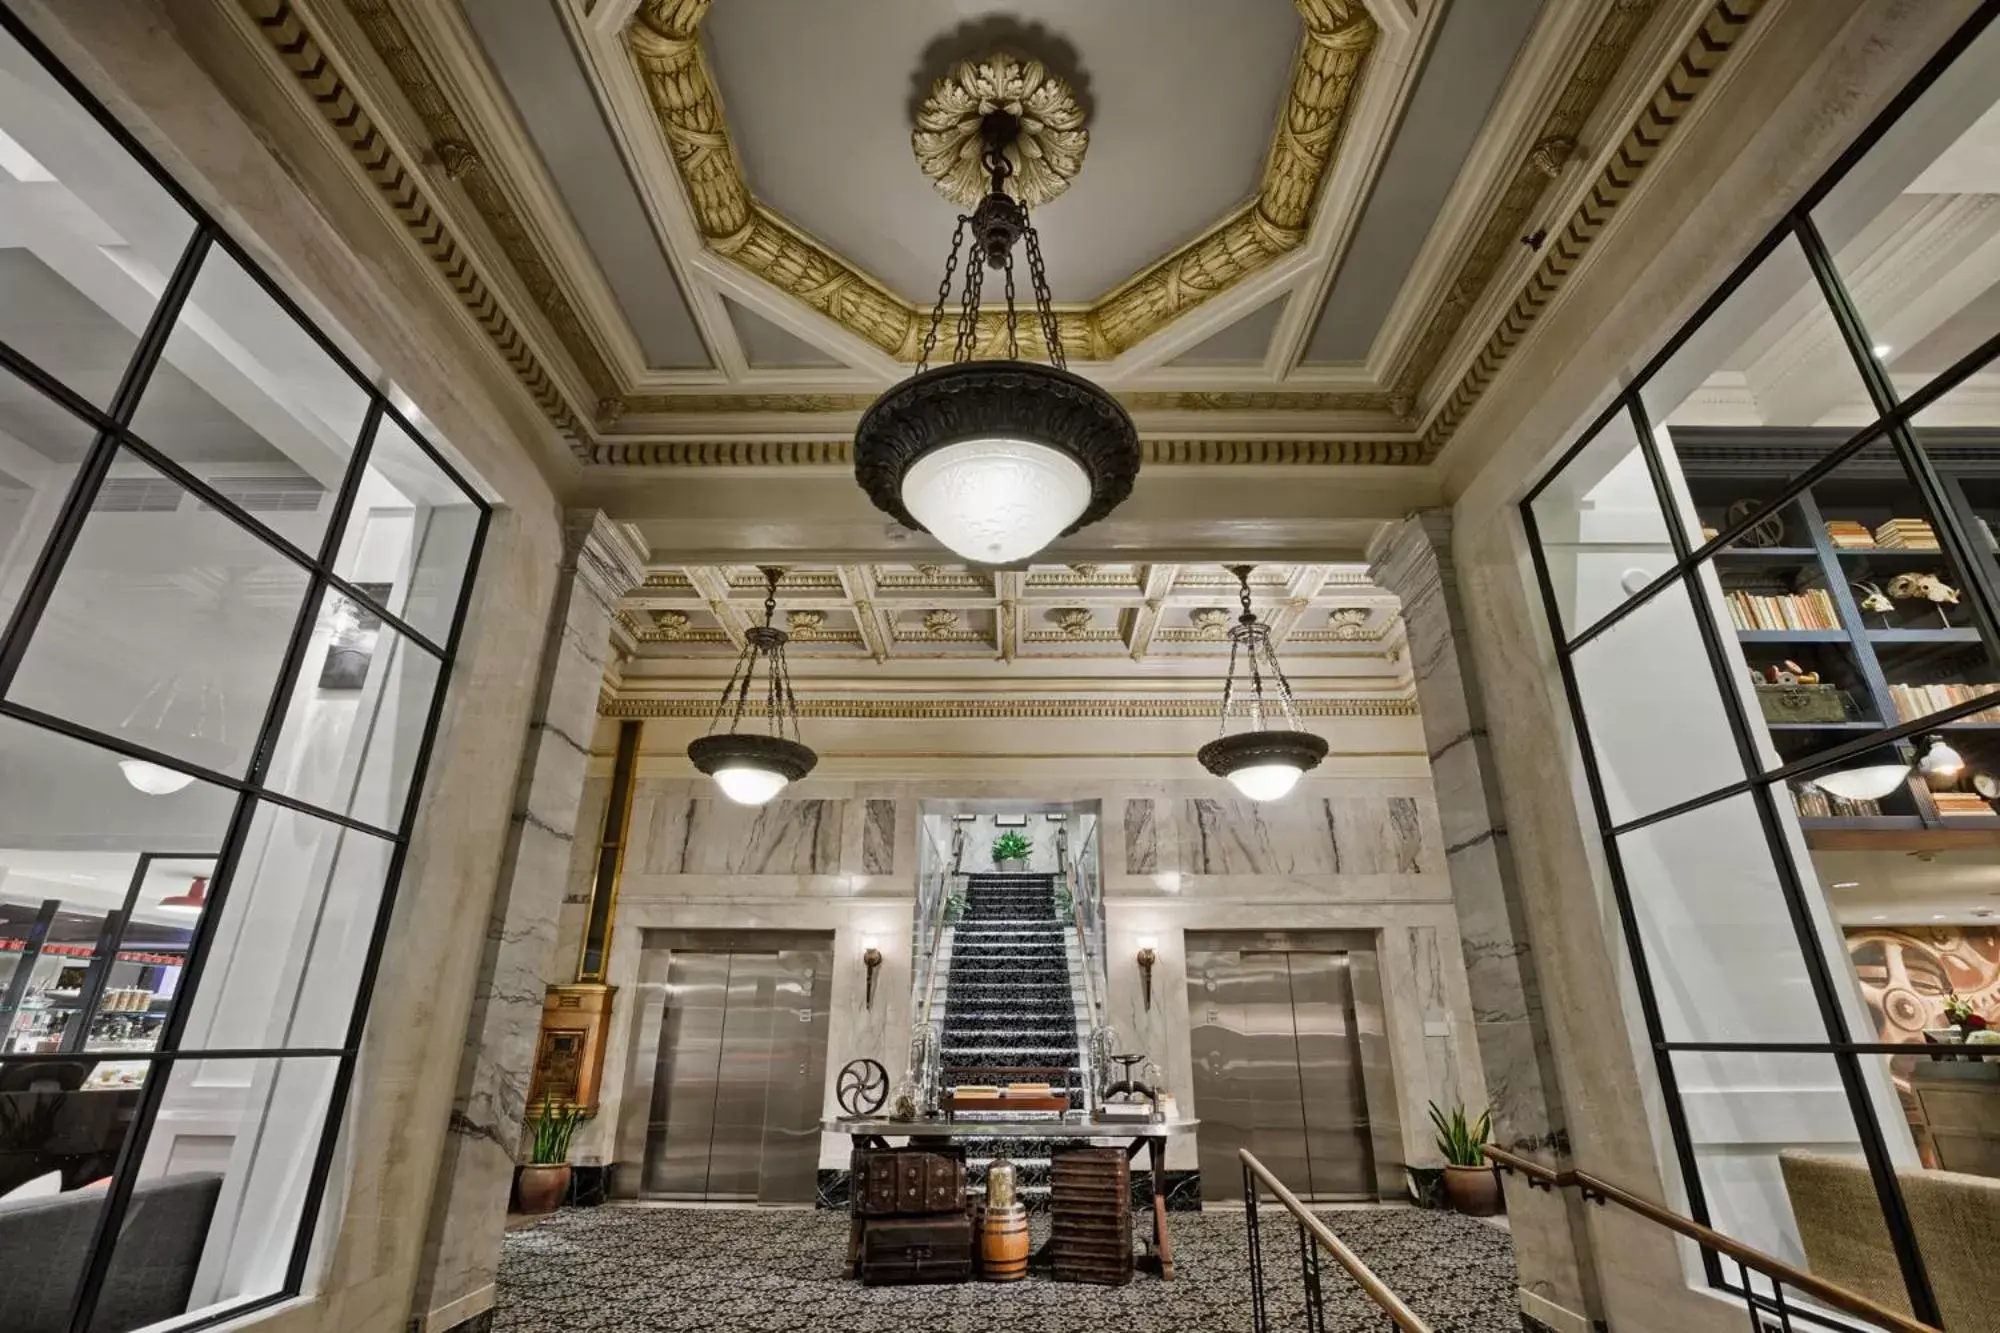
(859,581)
(713,587)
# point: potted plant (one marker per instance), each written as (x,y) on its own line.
(1469,1179)
(545,1179)
(1963,1017)
(1010,851)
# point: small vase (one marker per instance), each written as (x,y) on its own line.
(1473,1190)
(543,1187)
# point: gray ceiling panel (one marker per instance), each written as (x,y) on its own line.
(1467,65)
(531,52)
(768,347)
(1240,344)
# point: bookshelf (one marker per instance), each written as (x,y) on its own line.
(1804,598)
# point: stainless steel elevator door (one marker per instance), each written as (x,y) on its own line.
(737,1080)
(1277,1070)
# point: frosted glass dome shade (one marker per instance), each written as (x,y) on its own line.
(996,500)
(153,779)
(1863,784)
(750,786)
(1266,782)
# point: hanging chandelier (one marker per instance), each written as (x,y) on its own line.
(1266,761)
(751,767)
(996,458)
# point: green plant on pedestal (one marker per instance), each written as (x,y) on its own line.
(1011,847)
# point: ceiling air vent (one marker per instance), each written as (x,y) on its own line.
(137,495)
(295,493)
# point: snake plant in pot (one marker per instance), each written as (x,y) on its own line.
(1470,1182)
(545,1179)
(1010,852)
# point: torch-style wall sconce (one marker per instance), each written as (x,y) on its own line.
(871,955)
(1148,955)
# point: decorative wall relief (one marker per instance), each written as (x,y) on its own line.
(1907,972)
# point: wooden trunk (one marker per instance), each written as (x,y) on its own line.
(1091,1216)
(898,1251)
(906,1182)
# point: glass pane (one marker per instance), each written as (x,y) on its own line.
(1780,1157)
(1651,701)
(87,238)
(220,1195)
(1601,529)
(286,962)
(1725,958)
(410,536)
(1741,391)
(63,1124)
(167,627)
(246,400)
(1910,226)
(356,720)
(41,447)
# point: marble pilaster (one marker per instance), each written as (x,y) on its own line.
(601,562)
(1412,559)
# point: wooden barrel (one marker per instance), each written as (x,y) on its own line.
(1003,1244)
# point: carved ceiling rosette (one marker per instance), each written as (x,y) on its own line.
(940,623)
(1046,156)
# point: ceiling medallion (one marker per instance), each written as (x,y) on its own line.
(752,767)
(1267,761)
(1045,153)
(996,458)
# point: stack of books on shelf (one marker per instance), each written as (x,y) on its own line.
(1906,534)
(1961,803)
(1816,803)
(1850,535)
(1812,609)
(1915,701)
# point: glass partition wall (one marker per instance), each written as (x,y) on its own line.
(1771,572)
(232,577)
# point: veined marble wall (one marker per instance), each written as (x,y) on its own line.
(1362,850)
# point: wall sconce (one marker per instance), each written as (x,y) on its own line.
(871,956)
(1148,955)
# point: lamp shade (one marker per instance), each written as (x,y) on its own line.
(153,779)
(1869,783)
(189,903)
(994,501)
(751,768)
(1263,765)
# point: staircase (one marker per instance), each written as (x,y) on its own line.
(1010,1000)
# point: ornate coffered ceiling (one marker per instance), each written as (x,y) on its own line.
(1099,619)
(698,234)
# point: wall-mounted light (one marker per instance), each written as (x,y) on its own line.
(1148,955)
(871,957)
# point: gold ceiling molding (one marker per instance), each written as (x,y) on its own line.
(949,141)
(1512,216)
(703,707)
(1704,54)
(665,47)
(1153,453)
(399,186)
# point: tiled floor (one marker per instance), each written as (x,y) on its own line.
(671,1270)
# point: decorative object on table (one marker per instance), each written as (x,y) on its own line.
(1090,1206)
(1010,852)
(1800,696)
(1926,588)
(1003,1227)
(1964,1017)
(544,1181)
(1906,534)
(1101,1050)
(1873,599)
(751,767)
(1987,786)
(1148,955)
(1766,531)
(871,958)
(993,454)
(1266,761)
(1156,1085)
(1941,766)
(907,1182)
(862,1087)
(1470,1181)
(1126,1098)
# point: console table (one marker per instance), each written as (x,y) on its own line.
(1134,1136)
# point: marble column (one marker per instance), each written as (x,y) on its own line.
(602,561)
(1412,559)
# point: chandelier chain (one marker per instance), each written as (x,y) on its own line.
(1013,315)
(944,293)
(968,311)
(1038,274)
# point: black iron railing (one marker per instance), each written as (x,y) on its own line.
(1316,1239)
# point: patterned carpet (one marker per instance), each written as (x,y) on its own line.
(669,1270)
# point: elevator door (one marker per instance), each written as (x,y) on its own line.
(1277,1070)
(736,1087)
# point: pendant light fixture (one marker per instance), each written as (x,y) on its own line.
(996,458)
(189,903)
(1266,761)
(752,767)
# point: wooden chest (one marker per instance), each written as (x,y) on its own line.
(906,1182)
(898,1251)
(1091,1216)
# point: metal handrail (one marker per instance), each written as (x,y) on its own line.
(1777,1270)
(1374,1288)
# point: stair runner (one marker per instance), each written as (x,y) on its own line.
(1010,1000)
